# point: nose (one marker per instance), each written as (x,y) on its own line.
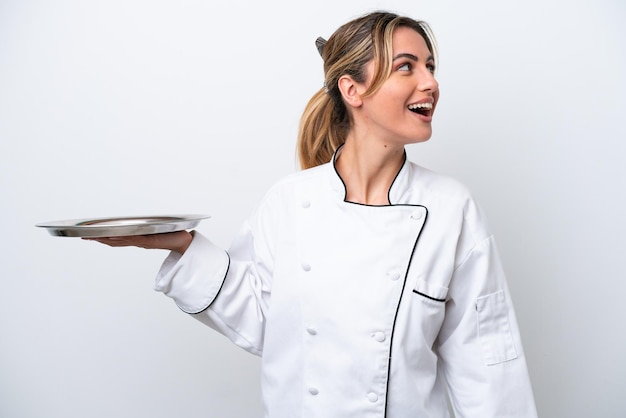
(427,81)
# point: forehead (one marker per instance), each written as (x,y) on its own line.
(408,40)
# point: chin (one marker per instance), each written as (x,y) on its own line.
(419,140)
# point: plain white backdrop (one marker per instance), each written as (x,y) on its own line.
(138,107)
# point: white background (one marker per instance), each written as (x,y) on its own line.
(141,107)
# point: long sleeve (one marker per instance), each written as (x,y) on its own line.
(479,343)
(226,290)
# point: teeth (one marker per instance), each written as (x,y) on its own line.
(427,106)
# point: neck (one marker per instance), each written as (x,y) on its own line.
(368,170)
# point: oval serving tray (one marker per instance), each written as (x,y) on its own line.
(121,226)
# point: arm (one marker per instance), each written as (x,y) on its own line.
(479,342)
(228,291)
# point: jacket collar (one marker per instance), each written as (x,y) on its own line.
(398,192)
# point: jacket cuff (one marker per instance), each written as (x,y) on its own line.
(194,278)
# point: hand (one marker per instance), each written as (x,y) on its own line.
(173,241)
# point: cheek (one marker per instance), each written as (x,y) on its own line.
(396,99)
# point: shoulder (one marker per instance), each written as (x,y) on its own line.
(295,181)
(426,182)
(448,195)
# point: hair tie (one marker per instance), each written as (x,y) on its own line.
(319,44)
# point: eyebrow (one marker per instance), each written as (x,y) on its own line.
(411,57)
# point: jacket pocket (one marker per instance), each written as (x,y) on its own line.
(494,330)
(431,291)
(426,313)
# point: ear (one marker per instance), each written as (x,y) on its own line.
(350,91)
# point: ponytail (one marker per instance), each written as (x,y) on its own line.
(322,129)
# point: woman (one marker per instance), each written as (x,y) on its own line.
(370,286)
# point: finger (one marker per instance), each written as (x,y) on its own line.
(169,241)
(110,241)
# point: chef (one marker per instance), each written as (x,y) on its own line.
(370,286)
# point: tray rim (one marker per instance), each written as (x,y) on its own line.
(145,225)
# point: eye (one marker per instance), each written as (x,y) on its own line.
(431,67)
(407,66)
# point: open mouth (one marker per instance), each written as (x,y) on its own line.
(424,109)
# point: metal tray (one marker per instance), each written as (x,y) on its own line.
(121,226)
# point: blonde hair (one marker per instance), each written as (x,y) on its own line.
(325,122)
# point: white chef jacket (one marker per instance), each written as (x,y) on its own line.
(364,311)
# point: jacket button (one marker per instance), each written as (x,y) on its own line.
(311,331)
(313,391)
(417,215)
(393,275)
(306,267)
(372,397)
(379,336)
(305,204)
